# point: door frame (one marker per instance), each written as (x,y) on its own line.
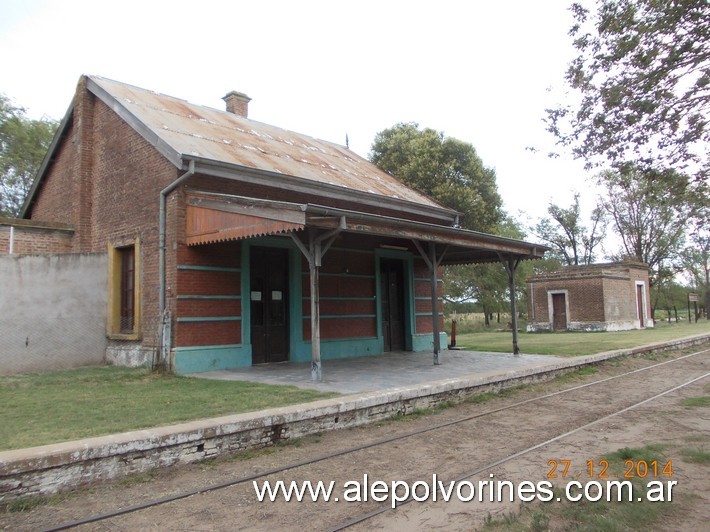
(407,259)
(294,290)
(272,271)
(550,308)
(642,315)
(392,274)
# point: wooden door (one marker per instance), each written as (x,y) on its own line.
(559,312)
(392,290)
(639,303)
(269,305)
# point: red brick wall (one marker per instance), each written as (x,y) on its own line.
(346,273)
(193,283)
(595,294)
(56,200)
(203,333)
(422,295)
(106,182)
(621,297)
(537,302)
(33,241)
(585,298)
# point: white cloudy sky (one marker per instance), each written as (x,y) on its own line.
(480,71)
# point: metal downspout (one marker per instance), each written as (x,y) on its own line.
(161,246)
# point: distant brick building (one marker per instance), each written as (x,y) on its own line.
(231,242)
(595,297)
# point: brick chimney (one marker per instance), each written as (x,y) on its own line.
(237,103)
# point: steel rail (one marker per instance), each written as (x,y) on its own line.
(469,474)
(295,465)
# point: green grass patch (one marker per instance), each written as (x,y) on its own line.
(697,401)
(695,456)
(648,453)
(578,343)
(481,398)
(500,393)
(507,521)
(577,374)
(420,412)
(624,515)
(530,518)
(43,408)
(26,505)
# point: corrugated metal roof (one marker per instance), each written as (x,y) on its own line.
(207,226)
(218,217)
(194,130)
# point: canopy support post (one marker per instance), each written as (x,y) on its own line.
(318,245)
(511,266)
(433,262)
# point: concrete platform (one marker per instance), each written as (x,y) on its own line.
(376,388)
(383,372)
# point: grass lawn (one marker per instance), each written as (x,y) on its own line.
(578,343)
(42,408)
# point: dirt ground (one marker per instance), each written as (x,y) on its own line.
(450,453)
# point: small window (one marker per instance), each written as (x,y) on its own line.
(124,296)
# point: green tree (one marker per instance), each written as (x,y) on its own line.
(23,145)
(671,297)
(650,212)
(571,241)
(487,284)
(642,74)
(696,259)
(444,168)
(451,172)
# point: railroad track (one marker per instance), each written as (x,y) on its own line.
(567,406)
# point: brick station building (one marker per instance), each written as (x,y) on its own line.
(594,297)
(231,242)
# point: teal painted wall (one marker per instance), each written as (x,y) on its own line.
(425,342)
(207,358)
(334,349)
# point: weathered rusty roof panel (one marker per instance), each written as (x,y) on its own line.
(227,138)
(207,226)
